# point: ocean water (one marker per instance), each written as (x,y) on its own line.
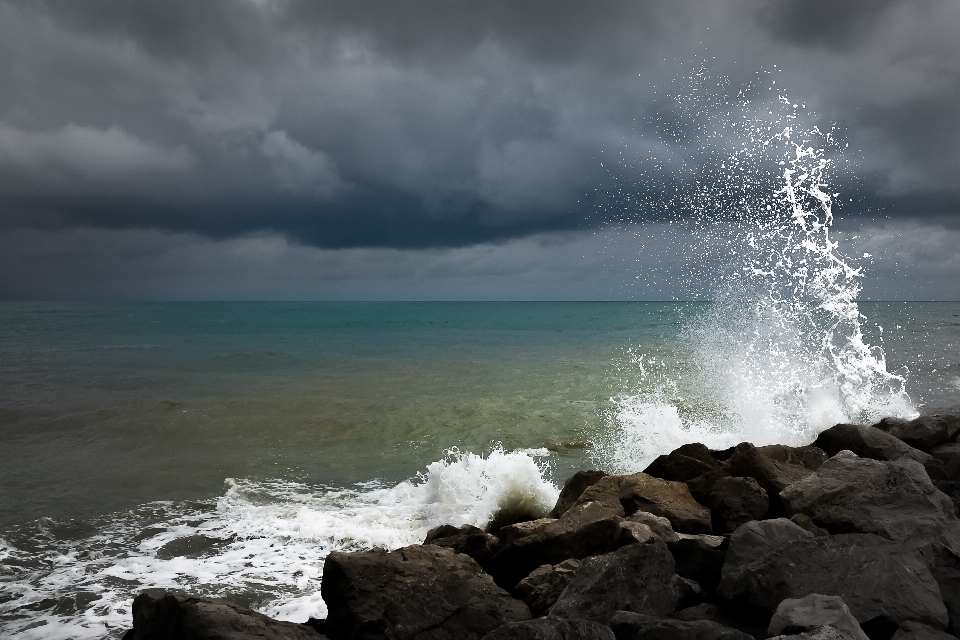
(226,448)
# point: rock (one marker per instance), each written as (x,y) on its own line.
(803,521)
(414,592)
(879,580)
(755,539)
(894,499)
(808,457)
(572,488)
(544,585)
(512,532)
(585,530)
(713,613)
(736,501)
(686,463)
(866,442)
(689,592)
(551,629)
(466,539)
(659,526)
(446,531)
(605,491)
(923,433)
(911,630)
(826,632)
(699,558)
(670,500)
(748,461)
(176,615)
(635,578)
(702,486)
(807,614)
(632,626)
(949,457)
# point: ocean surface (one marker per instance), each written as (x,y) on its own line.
(227,448)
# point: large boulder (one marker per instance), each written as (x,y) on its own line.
(572,488)
(637,578)
(512,532)
(808,457)
(466,539)
(748,461)
(699,558)
(866,442)
(894,499)
(175,615)
(948,455)
(685,463)
(605,491)
(670,500)
(585,530)
(826,632)
(796,615)
(544,585)
(880,580)
(918,631)
(634,626)
(923,433)
(755,539)
(551,629)
(736,501)
(415,592)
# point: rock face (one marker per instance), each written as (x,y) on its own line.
(736,501)
(176,615)
(918,631)
(748,461)
(572,488)
(894,499)
(755,539)
(466,539)
(879,580)
(605,491)
(699,558)
(685,463)
(544,585)
(635,578)
(922,433)
(670,500)
(415,592)
(633,626)
(866,442)
(551,629)
(807,614)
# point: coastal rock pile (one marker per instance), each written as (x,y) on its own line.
(854,537)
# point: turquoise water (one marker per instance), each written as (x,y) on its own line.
(228,447)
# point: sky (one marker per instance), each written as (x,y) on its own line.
(286,149)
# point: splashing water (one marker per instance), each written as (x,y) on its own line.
(780,354)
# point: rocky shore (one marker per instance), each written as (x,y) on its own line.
(854,536)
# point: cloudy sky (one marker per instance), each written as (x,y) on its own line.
(286,149)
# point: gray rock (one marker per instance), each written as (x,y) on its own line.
(660,527)
(632,626)
(175,615)
(585,530)
(685,463)
(949,457)
(667,499)
(551,629)
(635,578)
(894,499)
(912,630)
(702,486)
(826,632)
(466,539)
(803,521)
(923,433)
(416,592)
(879,580)
(811,612)
(748,461)
(572,488)
(699,558)
(736,501)
(605,491)
(866,442)
(808,457)
(689,592)
(512,532)
(755,539)
(544,585)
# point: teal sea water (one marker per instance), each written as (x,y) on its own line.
(226,448)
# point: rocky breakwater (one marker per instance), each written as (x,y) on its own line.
(853,537)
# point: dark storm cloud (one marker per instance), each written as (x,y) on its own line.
(429,124)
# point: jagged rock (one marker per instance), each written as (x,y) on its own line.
(755,539)
(815,610)
(923,433)
(894,499)
(826,632)
(512,532)
(605,491)
(702,486)
(585,530)
(912,630)
(866,442)
(808,457)
(748,461)
(699,558)
(879,580)
(635,578)
(713,613)
(689,592)
(670,500)
(633,626)
(572,488)
(175,615)
(803,521)
(948,455)
(736,501)
(416,592)
(544,585)
(551,629)
(685,463)
(659,526)
(466,539)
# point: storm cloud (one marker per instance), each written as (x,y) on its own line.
(431,126)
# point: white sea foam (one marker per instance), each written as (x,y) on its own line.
(261,543)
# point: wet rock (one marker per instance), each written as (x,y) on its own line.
(635,578)
(748,461)
(923,433)
(544,585)
(659,526)
(414,592)
(512,532)
(175,615)
(713,613)
(551,629)
(879,580)
(826,632)
(689,592)
(670,500)
(605,491)
(632,626)
(815,610)
(866,442)
(585,530)
(702,486)
(894,499)
(912,630)
(755,539)
(466,539)
(803,521)
(948,455)
(572,488)
(685,463)
(736,501)
(699,558)
(808,457)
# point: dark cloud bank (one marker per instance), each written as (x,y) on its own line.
(141,140)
